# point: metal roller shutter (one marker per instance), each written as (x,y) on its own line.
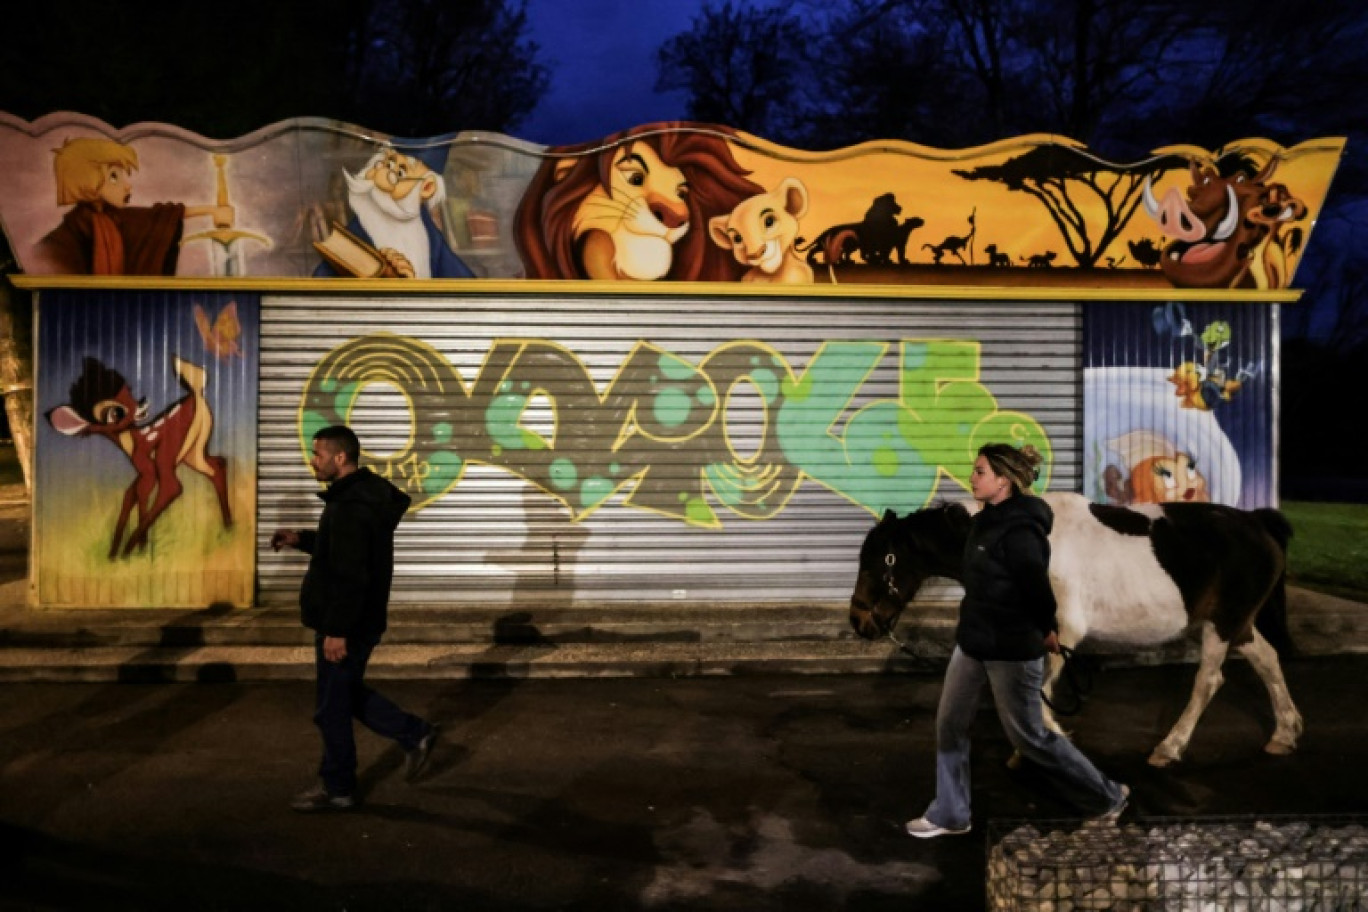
(497,539)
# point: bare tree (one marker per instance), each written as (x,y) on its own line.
(219,71)
(1092,59)
(985,33)
(738,65)
(432,66)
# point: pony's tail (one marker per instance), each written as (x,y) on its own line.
(1272,618)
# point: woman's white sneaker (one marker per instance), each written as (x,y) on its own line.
(925,829)
(1115,813)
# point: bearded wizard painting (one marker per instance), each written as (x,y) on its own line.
(392,199)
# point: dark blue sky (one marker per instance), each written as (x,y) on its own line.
(602,59)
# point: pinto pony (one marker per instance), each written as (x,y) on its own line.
(1133,576)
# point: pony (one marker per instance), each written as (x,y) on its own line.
(1133,576)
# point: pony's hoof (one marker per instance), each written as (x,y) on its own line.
(1161,760)
(1279,748)
(1014,761)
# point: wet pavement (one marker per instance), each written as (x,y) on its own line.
(718,793)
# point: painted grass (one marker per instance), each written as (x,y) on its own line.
(1329,551)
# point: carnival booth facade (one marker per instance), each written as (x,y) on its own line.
(682,364)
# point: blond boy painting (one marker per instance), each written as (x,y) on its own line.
(102,233)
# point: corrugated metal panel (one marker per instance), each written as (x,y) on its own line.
(496,538)
(1193,386)
(188,555)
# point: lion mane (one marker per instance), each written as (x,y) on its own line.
(544,223)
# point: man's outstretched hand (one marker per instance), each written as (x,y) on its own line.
(284,538)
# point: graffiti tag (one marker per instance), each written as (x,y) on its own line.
(680,439)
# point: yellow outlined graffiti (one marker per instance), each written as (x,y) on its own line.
(669,423)
(432,389)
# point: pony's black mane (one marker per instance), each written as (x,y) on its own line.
(938,529)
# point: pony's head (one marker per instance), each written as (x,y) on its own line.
(897,556)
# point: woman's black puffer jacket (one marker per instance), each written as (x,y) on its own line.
(1008,607)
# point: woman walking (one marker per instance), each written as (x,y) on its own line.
(1006,625)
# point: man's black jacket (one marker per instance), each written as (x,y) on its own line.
(346,589)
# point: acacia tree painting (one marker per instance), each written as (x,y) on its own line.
(1056,175)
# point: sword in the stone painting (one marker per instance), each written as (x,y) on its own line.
(229,257)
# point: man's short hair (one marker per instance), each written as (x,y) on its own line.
(342,439)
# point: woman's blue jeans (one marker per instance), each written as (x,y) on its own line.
(1016,693)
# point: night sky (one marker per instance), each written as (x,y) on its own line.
(602,55)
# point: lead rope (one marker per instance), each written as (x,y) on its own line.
(891,583)
(1079,683)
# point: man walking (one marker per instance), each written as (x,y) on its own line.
(345,599)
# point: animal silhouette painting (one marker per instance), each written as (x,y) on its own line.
(953,245)
(876,238)
(1146,252)
(997,258)
(1040,260)
(102,404)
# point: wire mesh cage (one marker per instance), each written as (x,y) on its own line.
(1207,864)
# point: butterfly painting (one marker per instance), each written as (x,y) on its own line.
(220,335)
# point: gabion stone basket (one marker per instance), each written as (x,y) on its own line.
(1207,864)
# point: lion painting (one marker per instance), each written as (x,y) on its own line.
(761,233)
(635,206)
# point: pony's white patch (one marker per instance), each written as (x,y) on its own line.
(1109,586)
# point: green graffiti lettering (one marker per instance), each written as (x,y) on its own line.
(871,461)
(739,430)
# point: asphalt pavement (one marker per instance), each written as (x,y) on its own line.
(706,793)
(662,794)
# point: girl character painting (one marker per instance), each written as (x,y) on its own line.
(1159,472)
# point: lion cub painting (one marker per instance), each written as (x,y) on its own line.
(761,233)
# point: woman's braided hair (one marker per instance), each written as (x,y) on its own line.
(1019,466)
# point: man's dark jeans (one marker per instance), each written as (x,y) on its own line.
(342,696)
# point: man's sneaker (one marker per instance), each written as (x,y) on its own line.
(925,829)
(318,799)
(1115,813)
(418,757)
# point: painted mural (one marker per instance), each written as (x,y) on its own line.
(661,202)
(660,430)
(1178,404)
(147,449)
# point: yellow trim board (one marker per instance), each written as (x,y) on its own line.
(584,289)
